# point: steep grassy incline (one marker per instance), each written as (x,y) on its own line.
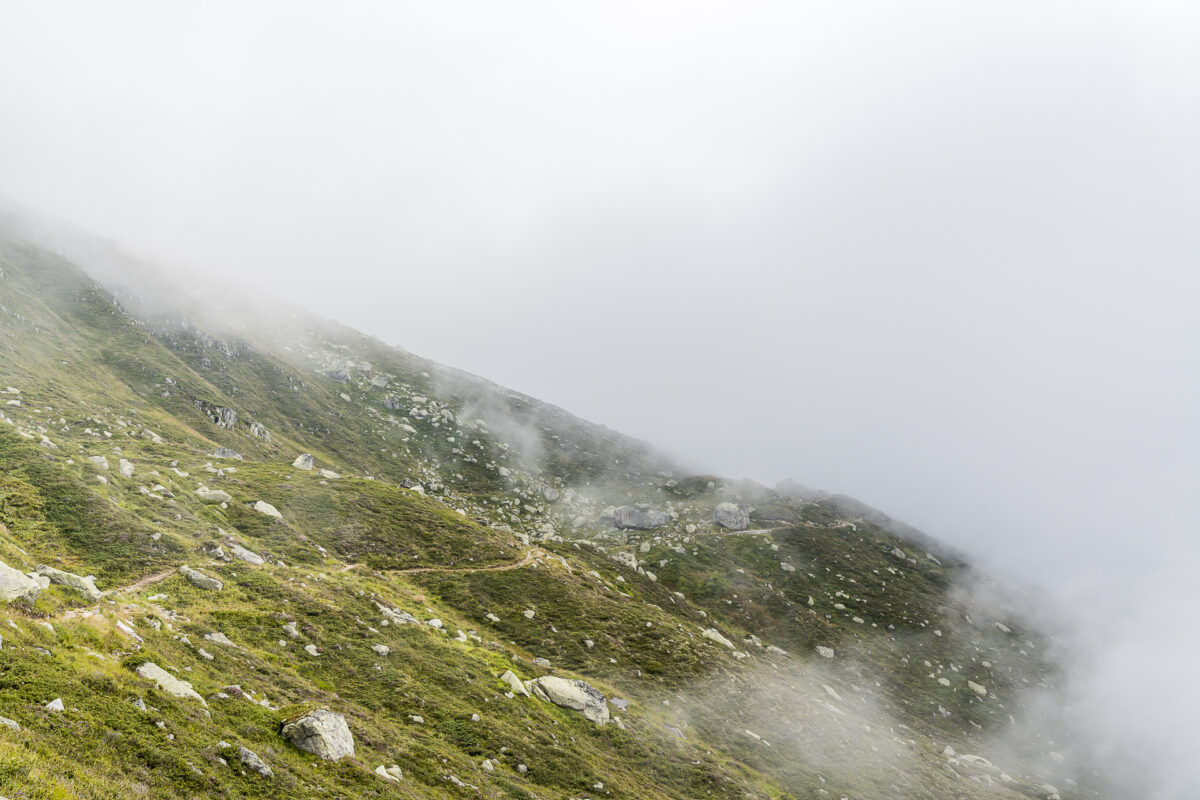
(451,531)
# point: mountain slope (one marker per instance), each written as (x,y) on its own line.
(456,531)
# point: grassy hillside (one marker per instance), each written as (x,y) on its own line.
(455,531)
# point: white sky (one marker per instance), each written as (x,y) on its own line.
(940,256)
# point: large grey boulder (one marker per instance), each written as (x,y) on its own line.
(86,586)
(16,585)
(168,682)
(640,517)
(574,694)
(303,461)
(226,452)
(199,579)
(322,733)
(730,516)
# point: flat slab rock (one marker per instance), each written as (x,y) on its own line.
(322,733)
(574,694)
(168,682)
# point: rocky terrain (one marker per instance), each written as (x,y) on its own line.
(283,559)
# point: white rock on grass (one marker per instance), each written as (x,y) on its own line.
(213,495)
(715,635)
(303,461)
(100,462)
(263,507)
(574,694)
(824,652)
(199,579)
(253,762)
(514,683)
(249,556)
(330,475)
(168,682)
(56,705)
(322,733)
(392,773)
(125,467)
(85,585)
(15,585)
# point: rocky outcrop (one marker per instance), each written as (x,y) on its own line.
(226,452)
(86,586)
(322,733)
(731,517)
(199,579)
(168,682)
(15,585)
(640,517)
(574,694)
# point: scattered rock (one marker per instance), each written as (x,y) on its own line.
(392,773)
(213,495)
(322,733)
(303,461)
(225,452)
(824,652)
(201,580)
(10,723)
(86,586)
(168,682)
(253,762)
(381,649)
(125,468)
(715,635)
(99,461)
(249,556)
(263,507)
(15,585)
(330,475)
(731,516)
(514,683)
(573,694)
(640,517)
